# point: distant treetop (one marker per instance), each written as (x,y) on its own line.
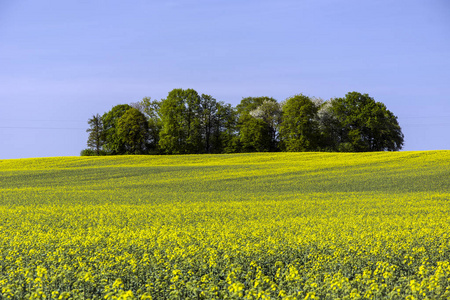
(187,123)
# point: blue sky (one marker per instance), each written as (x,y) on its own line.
(63,61)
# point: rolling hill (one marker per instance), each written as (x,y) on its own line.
(254,226)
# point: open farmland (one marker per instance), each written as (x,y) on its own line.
(254,226)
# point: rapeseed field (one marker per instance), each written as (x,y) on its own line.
(241,226)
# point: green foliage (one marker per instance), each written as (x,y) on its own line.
(88,152)
(251,103)
(271,114)
(255,134)
(228,138)
(257,124)
(218,124)
(330,131)
(96,138)
(209,124)
(132,129)
(181,125)
(151,109)
(187,123)
(196,124)
(299,128)
(366,125)
(113,143)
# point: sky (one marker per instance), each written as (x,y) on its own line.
(63,61)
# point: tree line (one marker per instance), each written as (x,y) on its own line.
(188,123)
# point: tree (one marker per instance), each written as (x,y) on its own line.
(384,132)
(209,122)
(186,123)
(329,128)
(366,125)
(181,123)
(299,126)
(151,110)
(226,135)
(113,143)
(218,125)
(270,112)
(256,133)
(96,137)
(251,103)
(132,129)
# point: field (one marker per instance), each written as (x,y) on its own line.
(253,226)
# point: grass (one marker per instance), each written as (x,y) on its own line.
(265,225)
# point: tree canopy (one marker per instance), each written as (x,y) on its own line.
(257,124)
(366,125)
(132,130)
(299,126)
(113,143)
(186,122)
(96,138)
(181,123)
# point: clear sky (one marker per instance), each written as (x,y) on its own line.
(63,61)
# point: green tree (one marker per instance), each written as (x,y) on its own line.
(270,112)
(151,109)
(299,126)
(113,143)
(226,135)
(96,137)
(181,131)
(209,122)
(366,125)
(251,103)
(218,125)
(386,131)
(329,128)
(255,133)
(132,129)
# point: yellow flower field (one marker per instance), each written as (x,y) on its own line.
(250,226)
